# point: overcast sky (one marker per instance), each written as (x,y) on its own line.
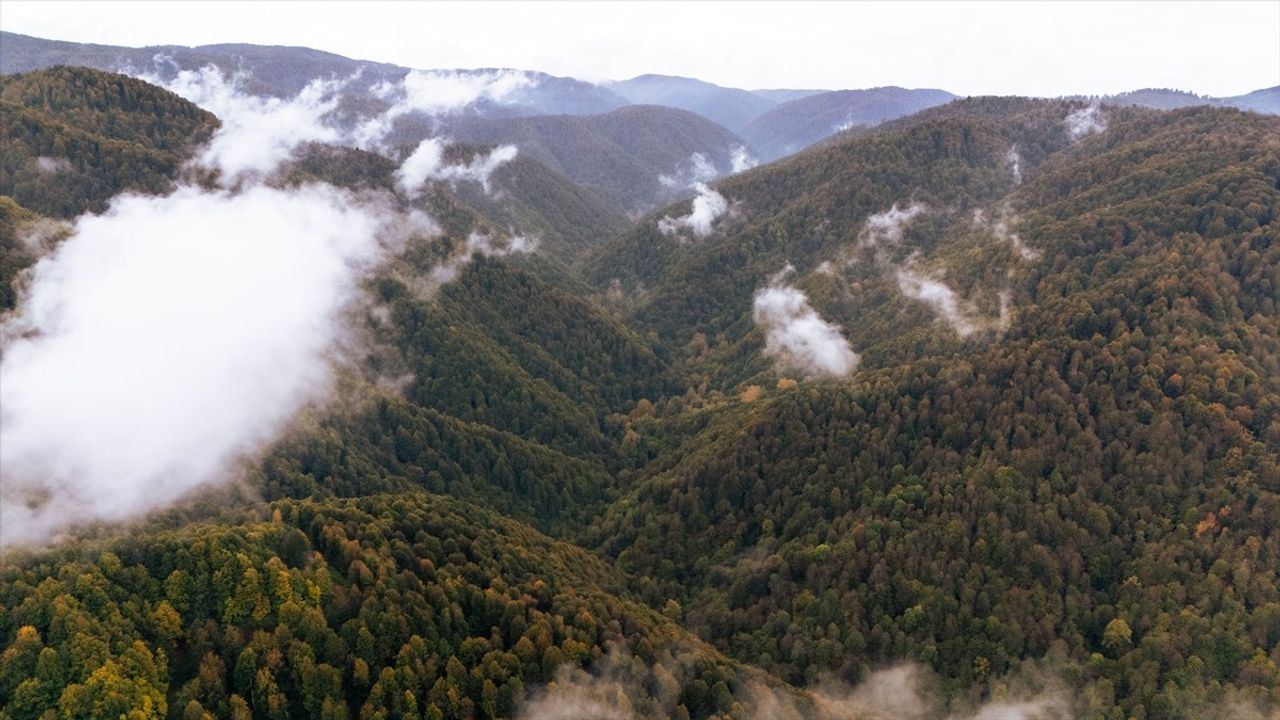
(1025,48)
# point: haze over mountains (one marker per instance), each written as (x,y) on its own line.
(335,389)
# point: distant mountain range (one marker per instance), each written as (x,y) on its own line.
(730,107)
(768,123)
(1266,100)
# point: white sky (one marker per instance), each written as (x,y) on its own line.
(1025,48)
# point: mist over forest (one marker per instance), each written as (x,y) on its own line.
(336,388)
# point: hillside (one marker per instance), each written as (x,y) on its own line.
(730,107)
(65,125)
(1085,475)
(796,124)
(390,605)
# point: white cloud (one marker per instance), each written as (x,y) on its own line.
(940,298)
(426,162)
(741,160)
(708,207)
(52,166)
(257,133)
(796,336)
(699,170)
(1014,161)
(479,244)
(169,337)
(439,92)
(887,226)
(1084,121)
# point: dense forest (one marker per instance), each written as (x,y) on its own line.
(586,481)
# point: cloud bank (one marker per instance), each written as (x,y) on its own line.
(708,207)
(796,336)
(257,133)
(438,92)
(167,338)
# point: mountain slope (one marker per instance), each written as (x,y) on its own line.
(63,126)
(1092,477)
(730,107)
(395,606)
(797,124)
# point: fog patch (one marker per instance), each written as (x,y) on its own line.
(699,170)
(741,160)
(258,133)
(170,337)
(903,692)
(51,165)
(618,686)
(940,298)
(438,92)
(1085,121)
(1014,161)
(887,227)
(477,243)
(796,336)
(1002,230)
(708,207)
(426,163)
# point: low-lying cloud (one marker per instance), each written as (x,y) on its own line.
(1013,159)
(169,337)
(1085,121)
(1002,229)
(479,244)
(796,336)
(257,133)
(708,207)
(887,227)
(438,92)
(698,170)
(741,160)
(426,163)
(960,315)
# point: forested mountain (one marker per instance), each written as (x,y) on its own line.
(992,389)
(799,123)
(730,107)
(1266,100)
(1076,452)
(63,126)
